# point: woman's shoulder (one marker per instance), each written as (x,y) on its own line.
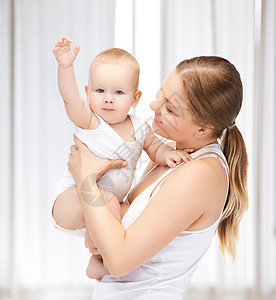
(207,161)
(206,173)
(200,167)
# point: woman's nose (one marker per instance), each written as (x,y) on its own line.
(154,105)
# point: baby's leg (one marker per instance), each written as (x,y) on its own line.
(67,210)
(96,268)
(68,213)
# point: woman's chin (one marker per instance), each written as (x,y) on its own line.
(157,129)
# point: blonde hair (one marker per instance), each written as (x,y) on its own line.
(116,56)
(214,90)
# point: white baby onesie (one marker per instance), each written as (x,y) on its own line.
(106,143)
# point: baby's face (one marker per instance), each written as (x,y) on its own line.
(111,91)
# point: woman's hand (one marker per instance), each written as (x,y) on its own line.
(83,163)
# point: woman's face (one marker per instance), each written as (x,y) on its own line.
(172,118)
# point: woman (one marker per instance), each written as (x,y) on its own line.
(174,213)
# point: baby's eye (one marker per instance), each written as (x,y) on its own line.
(100,91)
(119,92)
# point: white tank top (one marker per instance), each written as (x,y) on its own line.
(168,273)
(106,143)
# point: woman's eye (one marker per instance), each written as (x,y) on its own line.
(100,91)
(170,111)
(119,92)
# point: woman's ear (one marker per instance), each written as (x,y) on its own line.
(205,130)
(136,98)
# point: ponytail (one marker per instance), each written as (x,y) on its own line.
(214,92)
(233,147)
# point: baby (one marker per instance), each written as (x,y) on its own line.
(104,125)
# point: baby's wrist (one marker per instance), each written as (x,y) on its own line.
(60,66)
(169,150)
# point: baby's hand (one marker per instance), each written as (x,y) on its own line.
(175,157)
(65,56)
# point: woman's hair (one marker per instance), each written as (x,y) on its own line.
(115,56)
(214,90)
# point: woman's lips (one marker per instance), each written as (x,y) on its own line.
(157,120)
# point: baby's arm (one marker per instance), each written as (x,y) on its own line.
(77,109)
(162,153)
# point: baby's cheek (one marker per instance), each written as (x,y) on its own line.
(93,104)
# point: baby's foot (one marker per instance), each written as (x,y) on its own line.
(95,268)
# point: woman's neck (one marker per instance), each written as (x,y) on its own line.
(195,145)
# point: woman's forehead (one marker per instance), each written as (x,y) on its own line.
(173,90)
(173,84)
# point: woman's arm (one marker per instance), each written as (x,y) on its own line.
(162,220)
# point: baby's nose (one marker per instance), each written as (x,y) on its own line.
(109,101)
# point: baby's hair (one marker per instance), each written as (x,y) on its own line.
(214,90)
(115,56)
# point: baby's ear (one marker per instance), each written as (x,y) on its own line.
(86,89)
(136,98)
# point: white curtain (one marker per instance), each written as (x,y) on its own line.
(35,132)
(265,147)
(36,135)
(6,152)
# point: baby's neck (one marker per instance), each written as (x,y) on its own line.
(125,130)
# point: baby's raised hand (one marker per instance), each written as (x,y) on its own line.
(175,157)
(65,56)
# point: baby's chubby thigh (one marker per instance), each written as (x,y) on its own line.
(67,210)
